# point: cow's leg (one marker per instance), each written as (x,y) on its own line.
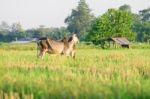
(42,53)
(73,54)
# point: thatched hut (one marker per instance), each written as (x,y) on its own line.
(122,41)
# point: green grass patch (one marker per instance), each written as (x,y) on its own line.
(94,74)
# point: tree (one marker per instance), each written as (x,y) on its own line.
(42,31)
(80,19)
(55,33)
(137,27)
(4,30)
(125,7)
(17,31)
(59,33)
(16,28)
(143,31)
(113,23)
(142,25)
(145,15)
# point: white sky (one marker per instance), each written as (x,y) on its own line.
(51,13)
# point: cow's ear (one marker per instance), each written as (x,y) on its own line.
(70,39)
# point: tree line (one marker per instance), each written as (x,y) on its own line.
(121,22)
(15,31)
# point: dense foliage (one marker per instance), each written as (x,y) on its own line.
(15,32)
(80,19)
(121,23)
(113,23)
(142,25)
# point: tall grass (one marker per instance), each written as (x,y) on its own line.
(94,74)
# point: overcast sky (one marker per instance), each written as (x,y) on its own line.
(51,13)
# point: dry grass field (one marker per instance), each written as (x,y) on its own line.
(94,74)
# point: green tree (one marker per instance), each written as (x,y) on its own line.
(142,25)
(138,27)
(145,15)
(42,31)
(16,28)
(80,19)
(59,33)
(17,31)
(4,28)
(4,31)
(113,23)
(125,7)
(55,33)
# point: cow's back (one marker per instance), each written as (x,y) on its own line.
(56,46)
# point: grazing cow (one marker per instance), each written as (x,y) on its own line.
(64,46)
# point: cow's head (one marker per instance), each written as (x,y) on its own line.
(74,39)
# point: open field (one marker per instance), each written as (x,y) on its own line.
(94,74)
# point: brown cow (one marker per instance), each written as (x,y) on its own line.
(64,46)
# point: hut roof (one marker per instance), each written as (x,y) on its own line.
(121,40)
